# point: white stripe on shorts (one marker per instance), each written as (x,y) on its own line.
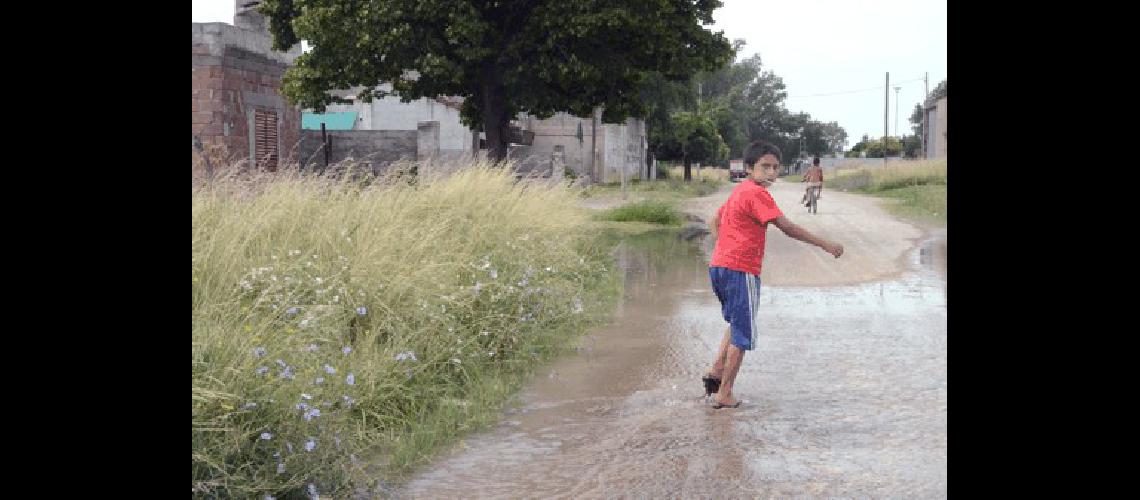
(753,302)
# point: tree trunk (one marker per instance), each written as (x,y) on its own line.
(495,119)
(688,168)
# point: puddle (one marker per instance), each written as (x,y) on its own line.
(845,395)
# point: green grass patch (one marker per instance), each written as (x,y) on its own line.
(923,203)
(654,212)
(662,190)
(891,176)
(918,186)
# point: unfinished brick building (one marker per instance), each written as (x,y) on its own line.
(238,112)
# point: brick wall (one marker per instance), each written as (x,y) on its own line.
(228,81)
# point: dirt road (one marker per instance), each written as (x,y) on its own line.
(874,242)
(844,395)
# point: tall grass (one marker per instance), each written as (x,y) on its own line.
(890,176)
(343,331)
(920,186)
(672,188)
(708,174)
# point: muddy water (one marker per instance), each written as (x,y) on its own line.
(845,394)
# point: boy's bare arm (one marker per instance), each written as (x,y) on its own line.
(795,231)
(715,225)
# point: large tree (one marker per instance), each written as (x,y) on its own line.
(911,146)
(745,104)
(723,96)
(916,119)
(718,95)
(834,138)
(696,137)
(875,148)
(663,98)
(503,57)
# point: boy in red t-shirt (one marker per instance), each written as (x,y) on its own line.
(734,270)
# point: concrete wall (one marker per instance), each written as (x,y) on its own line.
(233,72)
(389,113)
(560,130)
(619,145)
(375,148)
(936,130)
(623,148)
(220,35)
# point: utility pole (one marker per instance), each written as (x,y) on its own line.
(886,114)
(887,106)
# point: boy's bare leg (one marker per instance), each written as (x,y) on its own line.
(734,357)
(718,363)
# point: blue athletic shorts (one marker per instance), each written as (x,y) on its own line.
(739,294)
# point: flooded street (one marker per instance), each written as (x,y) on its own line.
(845,393)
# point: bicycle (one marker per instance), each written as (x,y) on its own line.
(813,199)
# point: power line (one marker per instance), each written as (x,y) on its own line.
(850,91)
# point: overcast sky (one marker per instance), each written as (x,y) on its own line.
(843,50)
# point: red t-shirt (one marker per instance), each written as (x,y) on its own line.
(743,220)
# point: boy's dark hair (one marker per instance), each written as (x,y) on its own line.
(815,161)
(757,149)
